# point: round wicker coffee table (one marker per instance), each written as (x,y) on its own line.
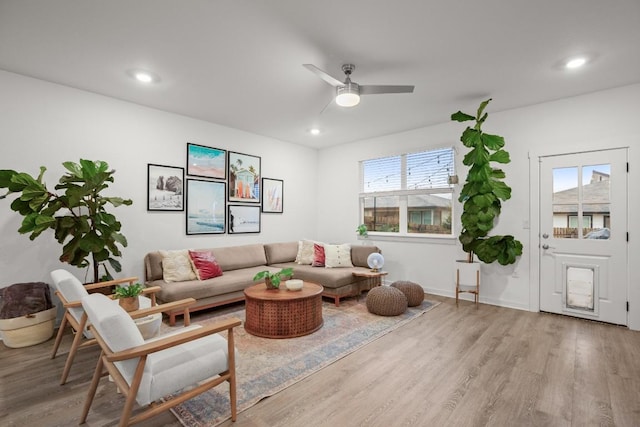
(280,313)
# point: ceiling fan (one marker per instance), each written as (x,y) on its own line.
(347,92)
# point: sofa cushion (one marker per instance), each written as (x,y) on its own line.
(359,254)
(305,252)
(205,265)
(236,257)
(280,252)
(318,255)
(337,256)
(176,266)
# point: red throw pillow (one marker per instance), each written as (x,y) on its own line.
(205,265)
(318,255)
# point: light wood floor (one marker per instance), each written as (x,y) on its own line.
(451,367)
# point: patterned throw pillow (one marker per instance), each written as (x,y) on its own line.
(176,266)
(318,255)
(205,265)
(337,256)
(305,252)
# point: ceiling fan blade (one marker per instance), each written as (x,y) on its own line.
(324,76)
(375,89)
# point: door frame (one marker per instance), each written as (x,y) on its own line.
(534,229)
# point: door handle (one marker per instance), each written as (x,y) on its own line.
(545,246)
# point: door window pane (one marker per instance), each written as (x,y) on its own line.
(596,200)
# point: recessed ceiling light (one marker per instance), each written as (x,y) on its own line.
(314,131)
(575,63)
(143,76)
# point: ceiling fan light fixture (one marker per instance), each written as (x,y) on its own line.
(348,95)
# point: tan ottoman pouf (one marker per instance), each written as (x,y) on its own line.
(386,301)
(411,290)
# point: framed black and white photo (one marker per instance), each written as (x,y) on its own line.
(205,207)
(244,178)
(244,219)
(272,191)
(207,162)
(165,188)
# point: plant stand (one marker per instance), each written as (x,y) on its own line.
(468,279)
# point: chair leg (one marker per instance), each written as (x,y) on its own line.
(92,390)
(72,354)
(61,329)
(132,392)
(232,375)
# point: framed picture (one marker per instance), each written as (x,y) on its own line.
(205,206)
(206,162)
(244,219)
(244,178)
(165,188)
(272,195)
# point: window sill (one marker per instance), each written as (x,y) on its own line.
(407,238)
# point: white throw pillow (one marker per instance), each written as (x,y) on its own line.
(337,256)
(176,266)
(305,252)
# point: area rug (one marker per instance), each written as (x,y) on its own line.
(266,366)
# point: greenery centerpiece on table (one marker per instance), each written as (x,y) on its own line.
(273,279)
(483,192)
(89,234)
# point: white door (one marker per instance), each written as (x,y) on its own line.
(583,235)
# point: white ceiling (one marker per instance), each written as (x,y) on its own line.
(239,63)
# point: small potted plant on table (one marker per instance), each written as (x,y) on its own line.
(273,279)
(128,296)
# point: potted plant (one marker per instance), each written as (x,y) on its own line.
(89,234)
(128,296)
(273,279)
(482,194)
(362,230)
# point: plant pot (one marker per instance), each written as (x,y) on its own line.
(466,276)
(269,284)
(130,303)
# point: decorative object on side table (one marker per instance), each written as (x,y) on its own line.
(128,296)
(375,261)
(272,280)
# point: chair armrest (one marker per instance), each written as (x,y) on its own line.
(99,285)
(174,340)
(175,305)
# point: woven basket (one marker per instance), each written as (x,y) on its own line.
(386,301)
(411,290)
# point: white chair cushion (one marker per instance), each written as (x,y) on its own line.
(175,368)
(71,288)
(166,371)
(115,326)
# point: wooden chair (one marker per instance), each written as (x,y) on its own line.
(70,291)
(147,371)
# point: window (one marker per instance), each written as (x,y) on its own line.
(408,194)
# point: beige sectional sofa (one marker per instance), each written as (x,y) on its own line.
(240,263)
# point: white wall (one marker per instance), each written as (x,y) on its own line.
(46,124)
(600,120)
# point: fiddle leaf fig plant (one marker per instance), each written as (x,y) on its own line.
(77,214)
(483,193)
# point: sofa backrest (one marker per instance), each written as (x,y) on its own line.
(278,253)
(229,258)
(360,253)
(236,257)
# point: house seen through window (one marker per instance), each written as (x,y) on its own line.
(408,194)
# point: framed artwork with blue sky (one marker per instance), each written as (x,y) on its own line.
(207,162)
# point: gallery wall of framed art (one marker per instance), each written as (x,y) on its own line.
(224,191)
